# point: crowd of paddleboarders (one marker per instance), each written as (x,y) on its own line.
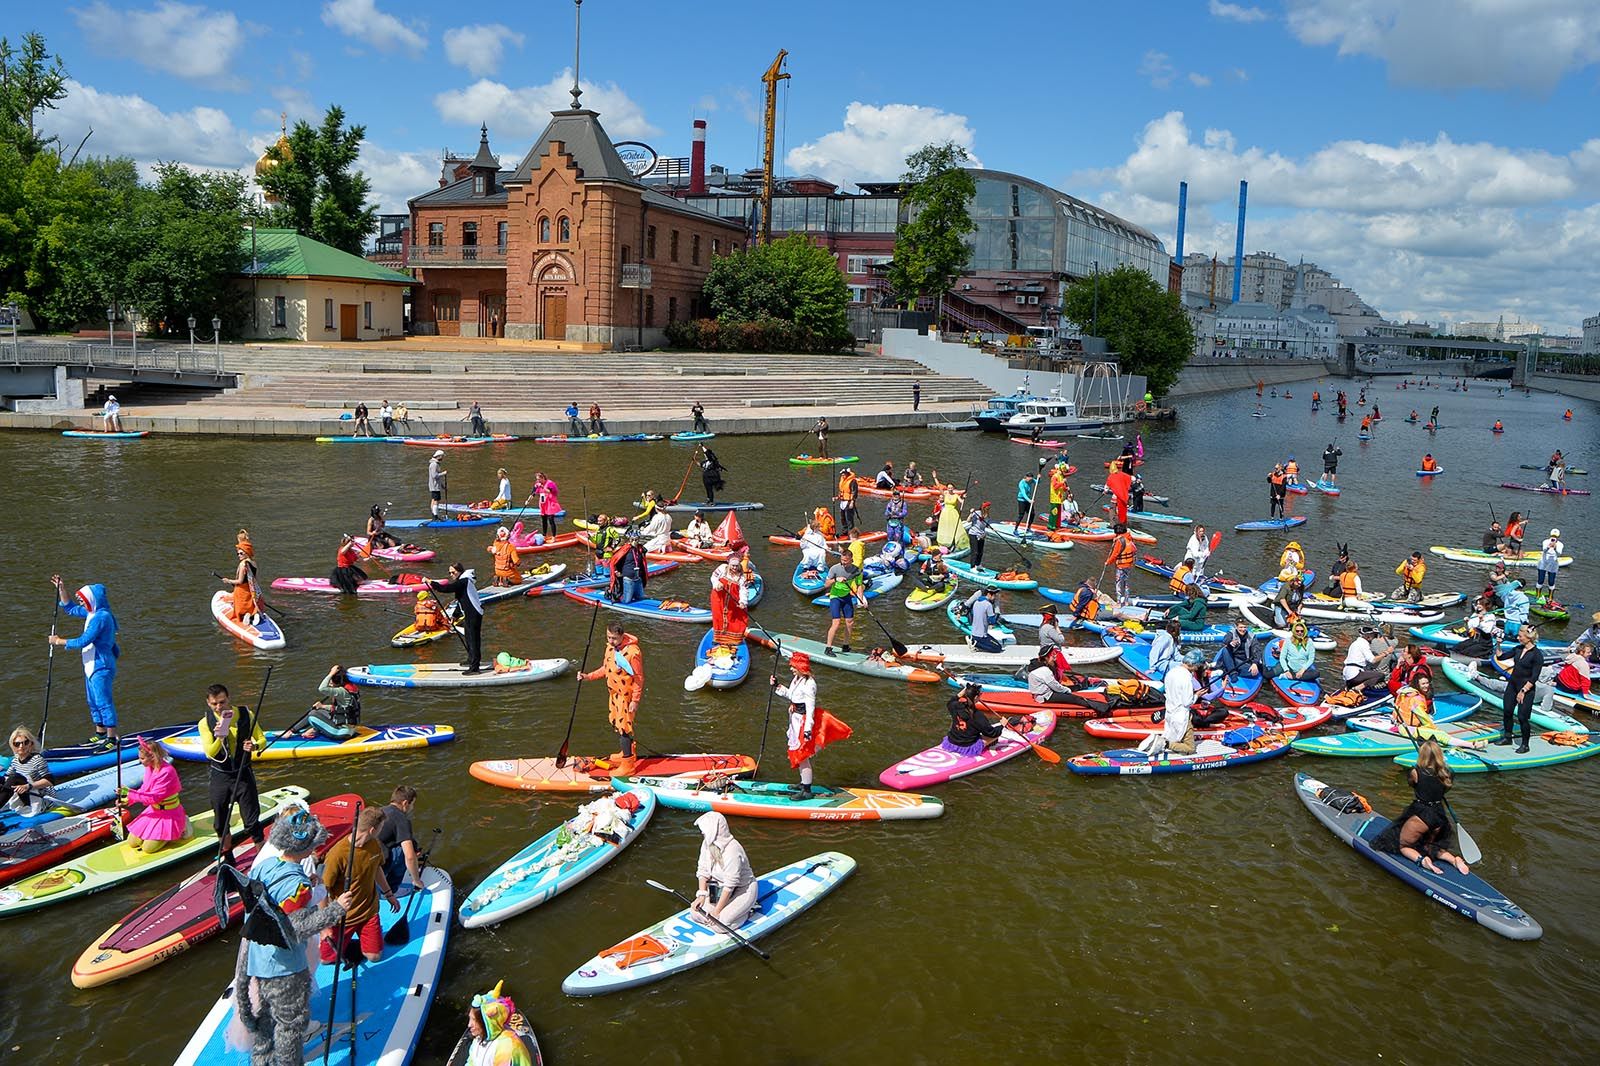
(345,878)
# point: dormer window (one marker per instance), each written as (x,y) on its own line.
(478,185)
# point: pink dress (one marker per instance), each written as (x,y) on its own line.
(548,501)
(153,823)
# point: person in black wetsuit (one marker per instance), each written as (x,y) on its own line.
(971,732)
(1423,829)
(1523,666)
(463,585)
(711,469)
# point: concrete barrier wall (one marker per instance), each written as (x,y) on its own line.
(1581,386)
(960,360)
(1201,379)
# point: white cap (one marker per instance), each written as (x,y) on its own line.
(1555,532)
(439,454)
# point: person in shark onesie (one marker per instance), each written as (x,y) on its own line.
(98,644)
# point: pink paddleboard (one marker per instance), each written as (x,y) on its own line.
(398,553)
(936,765)
(368,588)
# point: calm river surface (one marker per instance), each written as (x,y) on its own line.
(1045,917)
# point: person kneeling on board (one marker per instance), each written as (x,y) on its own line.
(971,733)
(727,885)
(1177,723)
(1422,830)
(336,716)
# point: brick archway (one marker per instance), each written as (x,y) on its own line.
(554,280)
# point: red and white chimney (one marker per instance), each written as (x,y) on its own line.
(697,159)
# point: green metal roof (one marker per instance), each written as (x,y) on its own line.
(283,253)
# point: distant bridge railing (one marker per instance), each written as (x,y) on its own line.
(176,360)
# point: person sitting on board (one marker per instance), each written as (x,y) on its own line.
(891,559)
(1410,665)
(1071,515)
(1240,654)
(377,535)
(971,733)
(272,983)
(1177,722)
(886,478)
(1574,673)
(1590,636)
(1351,592)
(698,531)
(912,478)
(1516,527)
(822,520)
(813,549)
(357,870)
(111,415)
(1494,541)
(1422,831)
(1297,659)
(657,532)
(1085,603)
(1499,427)
(1050,634)
(506,559)
(1191,613)
(495,1030)
(1482,627)
(163,819)
(1429,463)
(336,715)
(1411,570)
(1361,666)
(1181,579)
(727,886)
(426,615)
(1291,594)
(1163,650)
(1413,705)
(30,790)
(1043,684)
(245,608)
(932,574)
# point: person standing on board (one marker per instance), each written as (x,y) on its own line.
(699,413)
(1549,566)
(623,670)
(844,589)
(1522,666)
(1198,549)
(1027,485)
(1330,463)
(98,646)
(801,692)
(1123,553)
(463,584)
(821,430)
(229,736)
(437,479)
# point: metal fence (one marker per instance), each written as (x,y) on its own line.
(169,359)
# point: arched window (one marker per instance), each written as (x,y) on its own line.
(544,231)
(566,230)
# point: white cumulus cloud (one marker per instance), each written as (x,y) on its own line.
(1156,68)
(184,40)
(479,48)
(361,20)
(1457,44)
(131,125)
(1238,12)
(875,140)
(397,176)
(524,112)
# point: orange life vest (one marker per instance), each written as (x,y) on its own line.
(1123,551)
(1350,583)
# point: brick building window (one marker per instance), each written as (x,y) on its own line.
(649,310)
(469,240)
(672,247)
(716,246)
(650,243)
(544,231)
(694,249)
(672,309)
(565,230)
(435,234)
(502,231)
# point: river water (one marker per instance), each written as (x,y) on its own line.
(1045,916)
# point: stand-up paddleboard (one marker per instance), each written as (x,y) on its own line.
(445,442)
(27,849)
(983,575)
(454,675)
(359,440)
(681,942)
(884,665)
(1546,489)
(557,861)
(77,796)
(662,610)
(1546,469)
(291,745)
(774,799)
(185,914)
(1282,719)
(392,996)
(373,587)
(720,665)
(70,760)
(876,586)
(1015,534)
(1326,487)
(1430,473)
(1272,523)
(116,863)
(601,438)
(100,434)
(935,765)
(817,460)
(583,773)
(597,580)
(1157,517)
(400,553)
(689,434)
(1467,894)
(810,581)
(444,521)
(691,508)
(1208,755)
(264,633)
(835,543)
(1473,555)
(1300,693)
(922,598)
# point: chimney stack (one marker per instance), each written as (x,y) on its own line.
(1238,246)
(697,159)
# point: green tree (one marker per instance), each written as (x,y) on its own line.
(319,192)
(31,81)
(1141,321)
(930,247)
(789,280)
(184,248)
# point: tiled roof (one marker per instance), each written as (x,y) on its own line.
(585,141)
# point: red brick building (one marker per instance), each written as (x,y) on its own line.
(568,245)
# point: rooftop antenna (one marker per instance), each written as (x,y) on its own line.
(577,50)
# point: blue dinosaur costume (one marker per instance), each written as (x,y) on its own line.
(98,643)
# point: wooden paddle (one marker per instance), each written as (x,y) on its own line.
(741,941)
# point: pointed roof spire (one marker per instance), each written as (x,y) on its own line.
(485,159)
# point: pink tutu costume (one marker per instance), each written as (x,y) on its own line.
(164,818)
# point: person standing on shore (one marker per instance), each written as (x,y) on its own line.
(699,413)
(623,671)
(98,646)
(463,584)
(436,481)
(916,395)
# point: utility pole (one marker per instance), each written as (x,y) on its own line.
(772,77)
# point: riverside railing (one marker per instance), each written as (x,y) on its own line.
(168,359)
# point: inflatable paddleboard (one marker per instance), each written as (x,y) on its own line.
(1209,755)
(584,773)
(664,610)
(264,634)
(400,553)
(448,521)
(454,675)
(286,745)
(1300,693)
(28,849)
(375,587)
(73,759)
(774,799)
(77,796)
(720,665)
(982,575)
(691,435)
(681,942)
(935,765)
(1546,489)
(556,861)
(810,460)
(97,434)
(1430,473)
(1282,719)
(1272,523)
(1472,555)
(812,584)
(922,598)
(884,665)
(601,438)
(691,508)
(1466,894)
(392,996)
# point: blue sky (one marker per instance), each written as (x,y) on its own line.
(1437,155)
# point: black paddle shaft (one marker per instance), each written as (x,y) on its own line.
(741,941)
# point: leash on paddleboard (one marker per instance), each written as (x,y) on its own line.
(561,756)
(741,941)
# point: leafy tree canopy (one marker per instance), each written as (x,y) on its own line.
(930,247)
(791,280)
(1141,321)
(318,191)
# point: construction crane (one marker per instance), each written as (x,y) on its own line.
(772,77)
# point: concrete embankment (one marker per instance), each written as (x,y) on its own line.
(1579,386)
(1199,379)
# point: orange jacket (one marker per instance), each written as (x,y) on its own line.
(505,557)
(1123,551)
(1350,584)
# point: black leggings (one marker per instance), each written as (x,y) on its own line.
(473,623)
(1213,715)
(227,793)
(977,551)
(1522,710)
(547,524)
(1024,510)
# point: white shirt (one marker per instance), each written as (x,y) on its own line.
(727,866)
(813,547)
(1552,553)
(505,487)
(658,532)
(1180,693)
(386,411)
(1198,548)
(698,532)
(800,692)
(1358,658)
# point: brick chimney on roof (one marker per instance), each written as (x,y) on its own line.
(697,159)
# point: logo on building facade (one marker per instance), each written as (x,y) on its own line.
(639,157)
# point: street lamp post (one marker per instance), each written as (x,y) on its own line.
(216,330)
(191,333)
(111,326)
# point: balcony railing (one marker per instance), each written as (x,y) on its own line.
(462,255)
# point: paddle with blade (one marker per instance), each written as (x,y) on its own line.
(566,743)
(899,646)
(338,955)
(400,932)
(49,671)
(1040,750)
(741,941)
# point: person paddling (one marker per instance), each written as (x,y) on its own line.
(98,646)
(437,479)
(463,585)
(243,582)
(229,736)
(347,577)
